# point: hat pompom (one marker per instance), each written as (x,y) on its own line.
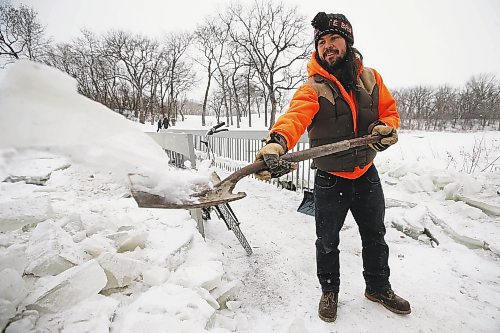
(320,21)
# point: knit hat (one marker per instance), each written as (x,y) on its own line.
(324,24)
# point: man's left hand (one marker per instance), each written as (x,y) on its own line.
(389,137)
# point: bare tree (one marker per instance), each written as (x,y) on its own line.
(443,104)
(215,104)
(21,35)
(484,94)
(236,54)
(94,69)
(420,101)
(274,38)
(179,72)
(205,36)
(221,35)
(62,56)
(137,54)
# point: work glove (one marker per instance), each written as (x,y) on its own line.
(277,167)
(389,135)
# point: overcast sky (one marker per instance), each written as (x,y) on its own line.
(409,42)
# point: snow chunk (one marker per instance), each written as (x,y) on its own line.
(225,291)
(227,323)
(120,269)
(155,275)
(7,311)
(469,185)
(441,179)
(57,293)
(168,307)
(91,315)
(399,172)
(14,257)
(451,191)
(165,248)
(129,240)
(51,251)
(17,212)
(13,287)
(97,244)
(414,183)
(207,275)
(94,223)
(26,324)
(12,292)
(233,305)
(416,216)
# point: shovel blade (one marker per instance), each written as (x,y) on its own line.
(210,198)
(203,196)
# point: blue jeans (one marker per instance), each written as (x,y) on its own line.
(334,197)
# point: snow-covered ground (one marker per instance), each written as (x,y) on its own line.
(78,255)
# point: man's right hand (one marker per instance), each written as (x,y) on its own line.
(277,167)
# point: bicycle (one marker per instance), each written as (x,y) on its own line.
(223,211)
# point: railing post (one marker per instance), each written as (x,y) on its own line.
(197,216)
(195,213)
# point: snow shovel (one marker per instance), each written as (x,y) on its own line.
(307,204)
(222,193)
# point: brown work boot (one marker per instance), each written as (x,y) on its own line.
(390,300)
(327,310)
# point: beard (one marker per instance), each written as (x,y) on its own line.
(343,68)
(334,67)
(337,63)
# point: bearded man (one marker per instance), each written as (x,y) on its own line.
(342,100)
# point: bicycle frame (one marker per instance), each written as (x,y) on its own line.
(223,211)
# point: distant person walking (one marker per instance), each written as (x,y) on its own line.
(159,125)
(166,122)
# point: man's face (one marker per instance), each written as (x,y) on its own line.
(331,48)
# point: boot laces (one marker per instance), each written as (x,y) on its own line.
(390,294)
(329,298)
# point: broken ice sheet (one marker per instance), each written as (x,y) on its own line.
(51,250)
(32,166)
(53,294)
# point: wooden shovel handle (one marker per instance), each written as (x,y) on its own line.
(330,148)
(302,155)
